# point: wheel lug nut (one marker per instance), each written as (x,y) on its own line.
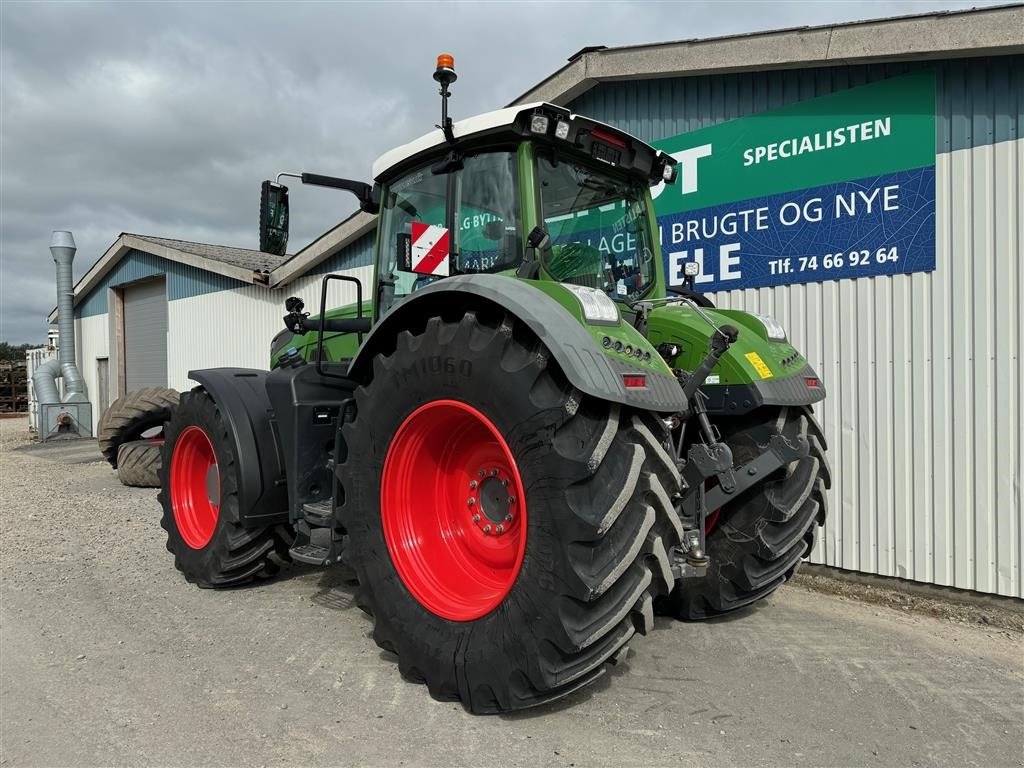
(471,501)
(508,518)
(476,518)
(511,500)
(501,528)
(487,529)
(472,485)
(494,473)
(481,473)
(505,483)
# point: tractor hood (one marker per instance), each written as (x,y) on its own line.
(756,370)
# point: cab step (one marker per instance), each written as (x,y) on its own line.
(319,514)
(316,545)
(313,554)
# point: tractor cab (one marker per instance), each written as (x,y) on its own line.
(531,191)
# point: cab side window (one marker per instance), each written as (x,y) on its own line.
(489,235)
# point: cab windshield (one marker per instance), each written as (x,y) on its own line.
(598,223)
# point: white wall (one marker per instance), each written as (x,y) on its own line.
(235,327)
(924,408)
(91,341)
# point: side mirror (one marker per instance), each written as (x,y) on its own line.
(494,230)
(273,218)
(538,239)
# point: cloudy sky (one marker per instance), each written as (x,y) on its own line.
(162,118)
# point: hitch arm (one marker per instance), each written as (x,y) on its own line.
(780,453)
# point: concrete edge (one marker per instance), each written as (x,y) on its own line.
(951,603)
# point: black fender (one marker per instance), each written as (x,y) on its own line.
(241,395)
(802,388)
(580,358)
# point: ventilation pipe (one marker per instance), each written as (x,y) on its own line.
(44,378)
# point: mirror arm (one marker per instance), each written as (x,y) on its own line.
(368,199)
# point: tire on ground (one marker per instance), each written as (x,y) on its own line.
(138,463)
(130,416)
(600,521)
(759,539)
(222,552)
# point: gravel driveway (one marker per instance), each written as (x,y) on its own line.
(107,657)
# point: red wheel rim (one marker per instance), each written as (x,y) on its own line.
(195,487)
(453,510)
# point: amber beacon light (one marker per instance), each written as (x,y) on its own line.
(445,72)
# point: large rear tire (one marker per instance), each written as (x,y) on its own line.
(756,542)
(199,498)
(509,533)
(140,411)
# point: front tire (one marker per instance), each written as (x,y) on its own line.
(199,498)
(502,619)
(757,542)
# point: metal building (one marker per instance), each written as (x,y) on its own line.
(151,309)
(924,369)
(921,354)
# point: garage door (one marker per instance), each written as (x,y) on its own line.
(145,335)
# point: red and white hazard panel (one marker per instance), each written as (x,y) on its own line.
(430,250)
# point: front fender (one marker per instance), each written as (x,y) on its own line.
(573,344)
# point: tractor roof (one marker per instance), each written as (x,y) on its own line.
(462,129)
(479,124)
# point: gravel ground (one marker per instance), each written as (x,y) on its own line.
(107,657)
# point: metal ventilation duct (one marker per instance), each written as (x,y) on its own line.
(62,247)
(76,417)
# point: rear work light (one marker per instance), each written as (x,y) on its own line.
(608,138)
(634,380)
(539,124)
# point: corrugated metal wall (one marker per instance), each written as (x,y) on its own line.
(93,344)
(183,280)
(357,254)
(924,370)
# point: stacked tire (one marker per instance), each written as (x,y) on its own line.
(130,434)
(138,462)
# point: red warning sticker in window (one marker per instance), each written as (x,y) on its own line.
(430,247)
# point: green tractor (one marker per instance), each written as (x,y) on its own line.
(523,442)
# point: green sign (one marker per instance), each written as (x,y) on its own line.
(845,180)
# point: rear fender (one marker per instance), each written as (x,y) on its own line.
(241,396)
(574,347)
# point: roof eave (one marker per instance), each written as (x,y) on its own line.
(976,32)
(127,242)
(321,249)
